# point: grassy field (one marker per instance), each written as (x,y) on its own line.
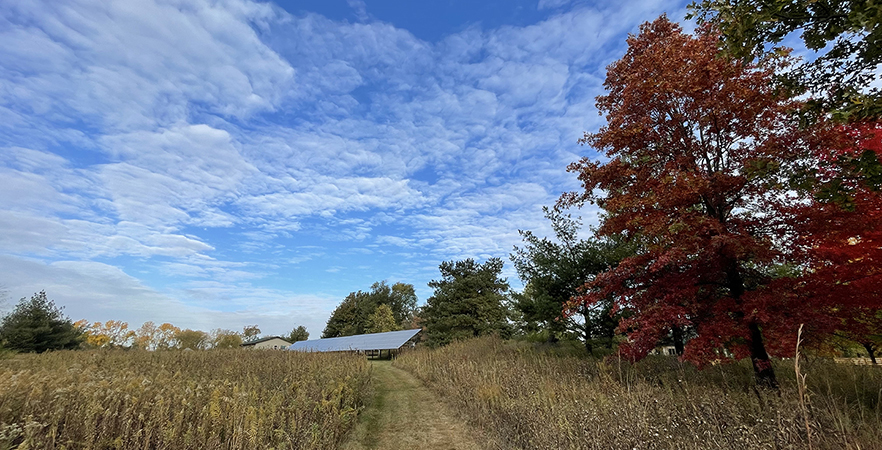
(530,398)
(219,399)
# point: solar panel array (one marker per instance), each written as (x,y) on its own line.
(375,341)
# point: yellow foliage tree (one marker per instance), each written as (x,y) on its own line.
(165,336)
(113,333)
(221,338)
(144,336)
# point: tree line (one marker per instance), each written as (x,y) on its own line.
(38,325)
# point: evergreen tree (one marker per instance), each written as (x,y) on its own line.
(298,334)
(37,325)
(469,300)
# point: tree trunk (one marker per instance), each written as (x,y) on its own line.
(871,350)
(552,329)
(586,315)
(762,365)
(678,340)
(610,339)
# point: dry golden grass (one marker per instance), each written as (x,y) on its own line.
(531,399)
(222,399)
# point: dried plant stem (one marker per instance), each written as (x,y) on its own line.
(800,384)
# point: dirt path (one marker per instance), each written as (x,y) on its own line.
(407,415)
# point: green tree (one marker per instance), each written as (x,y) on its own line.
(553,271)
(298,334)
(346,320)
(469,300)
(37,325)
(847,31)
(192,339)
(381,320)
(221,338)
(350,317)
(402,301)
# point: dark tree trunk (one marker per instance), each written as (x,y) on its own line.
(586,330)
(588,347)
(762,365)
(871,350)
(610,339)
(678,340)
(552,334)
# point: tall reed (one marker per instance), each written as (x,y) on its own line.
(219,399)
(530,398)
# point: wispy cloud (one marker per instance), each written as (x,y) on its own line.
(360,9)
(198,155)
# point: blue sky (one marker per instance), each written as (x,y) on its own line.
(223,163)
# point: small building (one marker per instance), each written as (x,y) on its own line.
(270,342)
(664,350)
(372,344)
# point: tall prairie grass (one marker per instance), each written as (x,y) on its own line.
(530,398)
(220,399)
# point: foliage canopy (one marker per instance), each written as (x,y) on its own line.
(848,29)
(702,151)
(298,334)
(554,271)
(351,316)
(381,320)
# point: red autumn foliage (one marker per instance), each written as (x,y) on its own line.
(702,150)
(838,238)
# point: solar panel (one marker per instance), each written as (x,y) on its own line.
(375,341)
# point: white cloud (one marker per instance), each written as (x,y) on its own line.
(211,140)
(138,64)
(360,9)
(180,175)
(549,4)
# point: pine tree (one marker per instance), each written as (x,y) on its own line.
(37,325)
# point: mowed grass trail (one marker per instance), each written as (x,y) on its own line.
(405,414)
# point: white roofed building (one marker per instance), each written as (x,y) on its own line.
(269,342)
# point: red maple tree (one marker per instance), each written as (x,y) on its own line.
(838,236)
(703,152)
